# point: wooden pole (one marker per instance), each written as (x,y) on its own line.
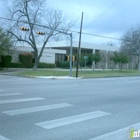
(78,50)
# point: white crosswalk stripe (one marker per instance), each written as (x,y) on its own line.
(36,109)
(70,120)
(21,100)
(10,94)
(3,138)
(121,134)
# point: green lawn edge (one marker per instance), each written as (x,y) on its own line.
(82,74)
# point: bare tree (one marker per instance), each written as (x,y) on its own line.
(39,24)
(130,44)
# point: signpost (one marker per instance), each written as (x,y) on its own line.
(85,58)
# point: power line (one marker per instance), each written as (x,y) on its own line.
(102,36)
(58,30)
(103,13)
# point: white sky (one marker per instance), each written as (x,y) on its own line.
(112,23)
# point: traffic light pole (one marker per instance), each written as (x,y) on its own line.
(70,34)
(70,54)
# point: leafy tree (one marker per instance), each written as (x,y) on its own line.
(82,60)
(123,59)
(6,42)
(115,58)
(96,57)
(41,23)
(119,58)
(90,58)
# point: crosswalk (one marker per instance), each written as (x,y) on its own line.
(1,90)
(59,122)
(36,109)
(72,119)
(21,100)
(3,138)
(10,94)
(119,134)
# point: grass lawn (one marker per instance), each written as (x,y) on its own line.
(84,74)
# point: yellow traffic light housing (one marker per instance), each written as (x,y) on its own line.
(73,58)
(68,58)
(24,29)
(40,33)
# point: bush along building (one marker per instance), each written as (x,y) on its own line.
(57,54)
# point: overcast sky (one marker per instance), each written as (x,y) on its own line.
(102,17)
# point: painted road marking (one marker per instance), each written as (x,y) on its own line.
(121,134)
(133,81)
(21,100)
(3,138)
(10,94)
(70,120)
(36,109)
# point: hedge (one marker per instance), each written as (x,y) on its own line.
(63,64)
(40,65)
(16,65)
(26,59)
(46,65)
(6,60)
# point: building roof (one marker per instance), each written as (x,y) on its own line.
(84,45)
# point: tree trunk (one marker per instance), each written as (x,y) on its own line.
(35,66)
(36,62)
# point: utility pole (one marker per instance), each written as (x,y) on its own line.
(70,54)
(78,50)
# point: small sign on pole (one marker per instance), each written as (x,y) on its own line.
(85,57)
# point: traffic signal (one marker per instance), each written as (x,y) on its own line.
(40,33)
(73,58)
(24,29)
(67,58)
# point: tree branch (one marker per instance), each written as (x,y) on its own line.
(19,39)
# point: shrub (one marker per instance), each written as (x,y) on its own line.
(26,59)
(6,60)
(57,64)
(42,65)
(46,65)
(64,64)
(15,65)
(1,64)
(50,65)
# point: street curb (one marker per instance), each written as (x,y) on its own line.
(57,77)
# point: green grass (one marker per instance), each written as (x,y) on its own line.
(84,74)
(42,73)
(116,73)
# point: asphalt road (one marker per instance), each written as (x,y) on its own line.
(69,109)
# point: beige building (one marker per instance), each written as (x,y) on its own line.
(86,48)
(56,51)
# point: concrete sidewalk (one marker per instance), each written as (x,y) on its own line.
(57,77)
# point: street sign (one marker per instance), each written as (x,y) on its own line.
(85,57)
